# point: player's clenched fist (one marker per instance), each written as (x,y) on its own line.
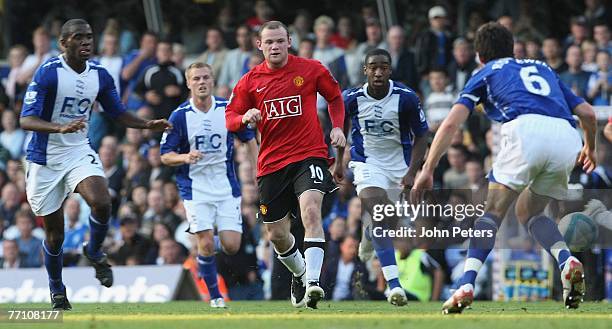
(192,157)
(72,126)
(337,137)
(251,116)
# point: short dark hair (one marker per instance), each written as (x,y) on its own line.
(68,27)
(376,52)
(272,25)
(493,41)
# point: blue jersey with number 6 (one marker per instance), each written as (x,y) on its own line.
(509,87)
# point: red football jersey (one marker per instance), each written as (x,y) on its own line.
(287,98)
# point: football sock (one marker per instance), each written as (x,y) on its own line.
(479,248)
(217,243)
(314,254)
(383,246)
(546,232)
(96,237)
(207,269)
(292,259)
(54,261)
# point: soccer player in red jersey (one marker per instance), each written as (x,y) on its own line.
(279,96)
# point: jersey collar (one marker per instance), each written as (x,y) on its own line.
(69,69)
(365,91)
(213,104)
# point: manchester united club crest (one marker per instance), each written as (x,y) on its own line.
(263,209)
(298,81)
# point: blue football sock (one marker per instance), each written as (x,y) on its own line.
(383,246)
(54,261)
(97,234)
(207,268)
(546,232)
(479,248)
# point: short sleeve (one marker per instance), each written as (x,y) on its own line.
(172,139)
(570,98)
(411,115)
(474,92)
(38,89)
(108,96)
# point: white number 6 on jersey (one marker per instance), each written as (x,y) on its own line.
(534,83)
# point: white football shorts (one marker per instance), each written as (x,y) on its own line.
(205,215)
(537,151)
(48,186)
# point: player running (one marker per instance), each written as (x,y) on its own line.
(203,149)
(279,95)
(388,131)
(60,161)
(539,148)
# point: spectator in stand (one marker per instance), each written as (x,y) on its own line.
(178,55)
(225,23)
(30,247)
(215,51)
(100,123)
(340,272)
(137,173)
(236,62)
(507,22)
(439,102)
(575,77)
(519,49)
(434,45)
(134,65)
(16,58)
(42,52)
(12,137)
(477,181)
(456,177)
(600,82)
(402,59)
(170,253)
(75,232)
(335,234)
(160,232)
(552,55)
(157,170)
(306,48)
(601,35)
(131,247)
(328,54)
(114,173)
(263,13)
(374,39)
(578,32)
(464,63)
(158,213)
(344,37)
(162,85)
(139,200)
(533,47)
(301,28)
(10,255)
(589,52)
(10,202)
(595,11)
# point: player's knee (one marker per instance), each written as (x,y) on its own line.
(101,208)
(231,248)
(206,246)
(311,214)
(276,234)
(54,240)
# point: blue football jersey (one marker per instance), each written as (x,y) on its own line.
(509,87)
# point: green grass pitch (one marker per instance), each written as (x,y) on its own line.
(330,315)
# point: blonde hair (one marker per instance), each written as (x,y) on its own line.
(198,65)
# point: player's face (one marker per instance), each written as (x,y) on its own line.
(274,44)
(200,82)
(80,42)
(378,70)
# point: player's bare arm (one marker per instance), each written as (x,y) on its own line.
(176,159)
(588,122)
(131,121)
(34,123)
(457,116)
(417,158)
(339,166)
